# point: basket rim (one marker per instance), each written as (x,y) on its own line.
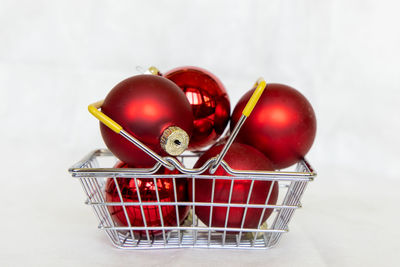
(79,170)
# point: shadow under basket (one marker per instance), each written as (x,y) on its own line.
(93,176)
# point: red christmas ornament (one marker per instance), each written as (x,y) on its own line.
(239,157)
(282,124)
(209,100)
(150,108)
(147,191)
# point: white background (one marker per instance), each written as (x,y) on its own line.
(56,57)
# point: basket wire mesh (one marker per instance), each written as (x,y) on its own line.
(192,232)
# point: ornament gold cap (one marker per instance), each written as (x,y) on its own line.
(153,70)
(174,140)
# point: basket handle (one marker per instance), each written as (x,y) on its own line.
(260,87)
(110,123)
(261,84)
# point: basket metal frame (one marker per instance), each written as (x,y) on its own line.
(192,233)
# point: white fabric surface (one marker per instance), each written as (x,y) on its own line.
(56,57)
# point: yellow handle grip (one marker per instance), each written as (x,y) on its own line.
(261,84)
(93,109)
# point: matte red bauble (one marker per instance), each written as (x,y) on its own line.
(147,192)
(209,100)
(150,108)
(239,157)
(282,124)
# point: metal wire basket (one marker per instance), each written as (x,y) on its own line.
(193,233)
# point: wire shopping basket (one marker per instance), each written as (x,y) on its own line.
(192,233)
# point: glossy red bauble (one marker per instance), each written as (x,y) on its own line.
(147,190)
(209,100)
(145,106)
(239,157)
(282,124)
